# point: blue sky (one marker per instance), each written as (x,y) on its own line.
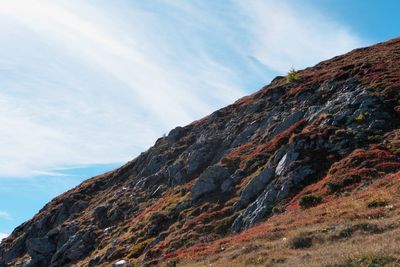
(87,85)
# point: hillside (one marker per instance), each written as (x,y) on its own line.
(300,173)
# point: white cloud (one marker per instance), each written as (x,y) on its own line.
(5,215)
(83,84)
(83,87)
(2,236)
(290,34)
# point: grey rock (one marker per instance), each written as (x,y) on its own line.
(115,214)
(341,118)
(62,215)
(153,179)
(286,160)
(157,240)
(254,187)
(175,134)
(34,263)
(78,206)
(200,155)
(377,125)
(158,191)
(99,212)
(287,122)
(154,165)
(208,181)
(15,251)
(121,263)
(256,211)
(37,247)
(273,193)
(76,247)
(182,206)
(53,233)
(237,176)
(245,135)
(95,261)
(100,215)
(176,174)
(255,107)
(227,186)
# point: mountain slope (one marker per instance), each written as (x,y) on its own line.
(320,153)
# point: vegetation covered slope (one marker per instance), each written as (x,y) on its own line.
(303,172)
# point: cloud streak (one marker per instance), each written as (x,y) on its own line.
(5,215)
(95,89)
(85,84)
(288,34)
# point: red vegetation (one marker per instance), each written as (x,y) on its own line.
(280,138)
(357,168)
(155,207)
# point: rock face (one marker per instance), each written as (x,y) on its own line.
(334,126)
(209,181)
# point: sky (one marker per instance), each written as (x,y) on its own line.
(86,86)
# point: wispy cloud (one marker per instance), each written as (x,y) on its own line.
(5,215)
(290,34)
(85,83)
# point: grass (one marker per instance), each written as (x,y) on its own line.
(292,76)
(357,250)
(138,248)
(360,117)
(337,185)
(338,232)
(371,261)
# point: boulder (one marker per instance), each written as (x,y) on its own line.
(176,174)
(286,160)
(209,181)
(40,250)
(77,246)
(100,215)
(40,246)
(254,187)
(175,134)
(200,154)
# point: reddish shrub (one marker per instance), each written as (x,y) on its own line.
(388,166)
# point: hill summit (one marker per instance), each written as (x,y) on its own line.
(304,172)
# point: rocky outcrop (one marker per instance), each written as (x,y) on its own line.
(331,129)
(254,187)
(209,181)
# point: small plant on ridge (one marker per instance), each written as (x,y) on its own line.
(292,75)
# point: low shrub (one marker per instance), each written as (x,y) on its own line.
(171,263)
(365,228)
(337,185)
(301,241)
(292,76)
(360,117)
(277,209)
(377,203)
(309,201)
